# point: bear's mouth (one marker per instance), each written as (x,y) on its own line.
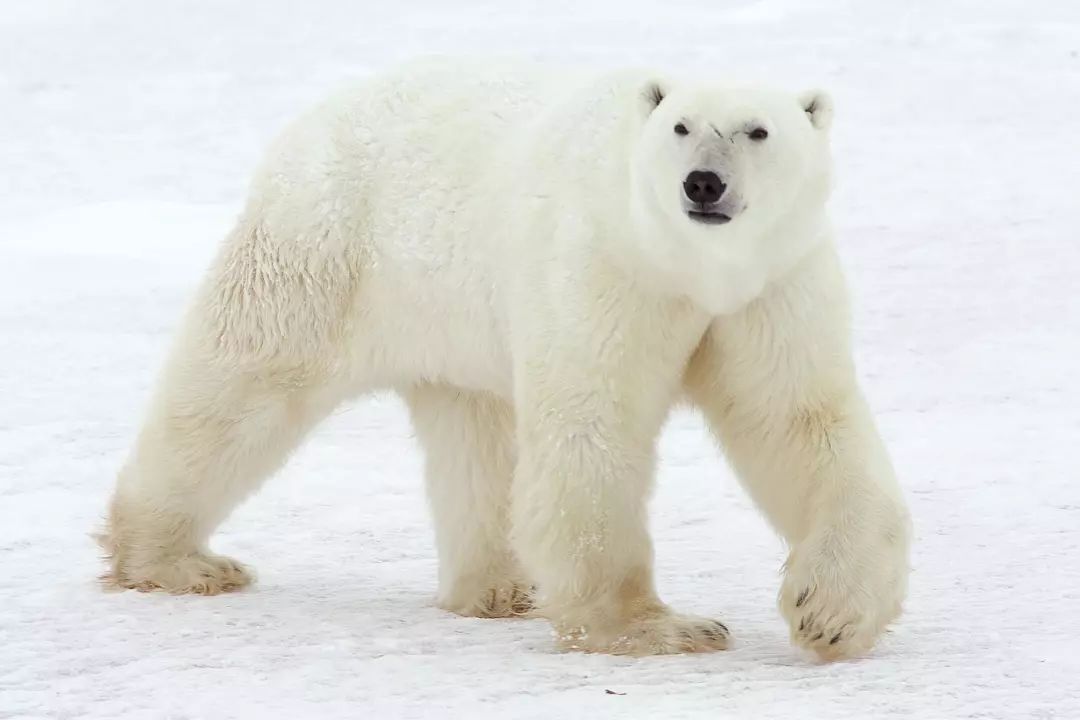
(709,217)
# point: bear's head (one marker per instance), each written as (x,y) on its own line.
(730,184)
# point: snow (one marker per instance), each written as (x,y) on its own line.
(127,133)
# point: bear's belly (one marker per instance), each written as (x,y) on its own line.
(411,323)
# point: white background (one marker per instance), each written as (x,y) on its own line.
(128,130)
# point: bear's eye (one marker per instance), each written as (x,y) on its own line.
(680,129)
(759,133)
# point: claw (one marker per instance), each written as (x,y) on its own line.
(716,632)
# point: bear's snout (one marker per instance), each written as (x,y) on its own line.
(703,187)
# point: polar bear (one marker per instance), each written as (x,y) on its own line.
(541,263)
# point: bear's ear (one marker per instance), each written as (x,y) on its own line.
(654,94)
(819,108)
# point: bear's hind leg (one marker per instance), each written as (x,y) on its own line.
(212,436)
(257,363)
(468,439)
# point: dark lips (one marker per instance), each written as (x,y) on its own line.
(709,218)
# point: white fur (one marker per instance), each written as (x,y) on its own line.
(510,251)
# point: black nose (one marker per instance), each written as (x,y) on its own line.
(703,187)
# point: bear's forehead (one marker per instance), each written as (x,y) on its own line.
(730,102)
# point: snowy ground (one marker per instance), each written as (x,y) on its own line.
(127,132)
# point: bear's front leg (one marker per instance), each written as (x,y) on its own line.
(777,385)
(591,395)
